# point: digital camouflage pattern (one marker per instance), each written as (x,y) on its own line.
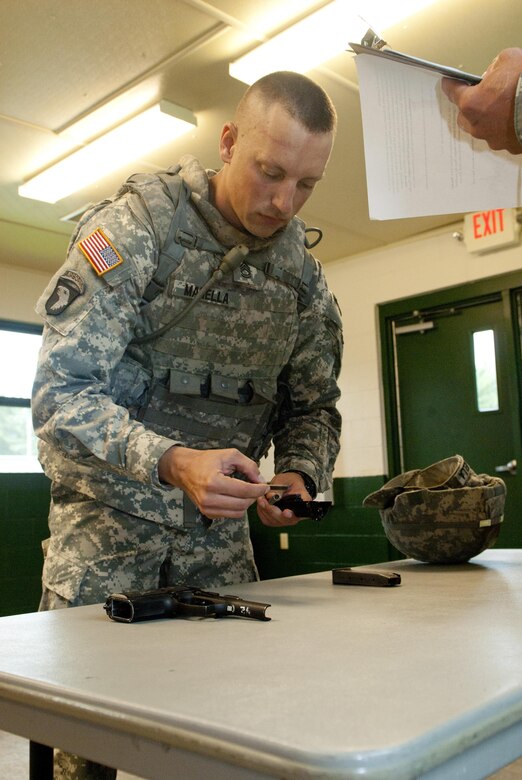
(126,553)
(106,408)
(445,513)
(449,473)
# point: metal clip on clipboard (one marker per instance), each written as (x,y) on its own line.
(371,40)
(372,43)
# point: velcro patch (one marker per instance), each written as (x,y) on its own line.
(223,297)
(68,287)
(100,252)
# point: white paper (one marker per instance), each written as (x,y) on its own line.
(418,161)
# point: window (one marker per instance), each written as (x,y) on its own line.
(485,370)
(19,346)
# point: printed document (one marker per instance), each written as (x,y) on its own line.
(418,161)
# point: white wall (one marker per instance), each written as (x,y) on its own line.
(430,262)
(20,288)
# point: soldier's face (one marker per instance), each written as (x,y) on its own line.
(272,165)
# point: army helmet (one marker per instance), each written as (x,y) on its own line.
(445,513)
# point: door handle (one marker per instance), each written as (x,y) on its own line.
(510,468)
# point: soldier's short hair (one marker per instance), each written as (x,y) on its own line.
(301,97)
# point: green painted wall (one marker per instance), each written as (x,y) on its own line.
(24,503)
(348,535)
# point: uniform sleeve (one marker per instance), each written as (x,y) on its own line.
(84,387)
(307,438)
(518,110)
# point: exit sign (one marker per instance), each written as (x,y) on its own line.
(485,231)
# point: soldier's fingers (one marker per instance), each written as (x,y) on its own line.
(453,88)
(215,506)
(233,460)
(230,486)
(272,516)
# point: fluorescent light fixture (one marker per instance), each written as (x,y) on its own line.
(111,114)
(136,137)
(320,36)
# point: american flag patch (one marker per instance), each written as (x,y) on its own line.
(99,251)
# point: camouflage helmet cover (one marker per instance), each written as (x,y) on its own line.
(445,513)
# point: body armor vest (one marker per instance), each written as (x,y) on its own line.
(211,378)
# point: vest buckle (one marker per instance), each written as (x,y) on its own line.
(188,240)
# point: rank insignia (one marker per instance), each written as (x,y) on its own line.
(100,252)
(68,287)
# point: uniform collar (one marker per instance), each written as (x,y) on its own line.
(197,178)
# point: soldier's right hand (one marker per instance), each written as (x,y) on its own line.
(205,476)
(487,110)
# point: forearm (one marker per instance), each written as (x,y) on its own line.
(83,422)
(86,394)
(309,444)
(307,438)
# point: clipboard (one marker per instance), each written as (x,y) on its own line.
(406,59)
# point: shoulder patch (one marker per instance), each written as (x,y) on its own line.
(68,287)
(100,252)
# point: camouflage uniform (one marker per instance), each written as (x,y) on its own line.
(257,358)
(518,110)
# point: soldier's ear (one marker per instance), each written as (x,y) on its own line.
(227,141)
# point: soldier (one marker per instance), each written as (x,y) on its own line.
(492,110)
(189,327)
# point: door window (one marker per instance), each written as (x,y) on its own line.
(485,362)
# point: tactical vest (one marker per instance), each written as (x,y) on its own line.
(212,364)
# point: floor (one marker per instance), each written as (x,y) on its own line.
(14,759)
(14,762)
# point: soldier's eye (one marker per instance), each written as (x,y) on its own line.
(274,175)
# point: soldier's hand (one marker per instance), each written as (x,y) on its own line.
(205,476)
(272,515)
(486,110)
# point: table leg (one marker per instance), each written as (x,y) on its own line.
(41,761)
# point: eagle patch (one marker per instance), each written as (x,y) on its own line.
(68,287)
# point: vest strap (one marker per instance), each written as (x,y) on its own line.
(178,238)
(300,284)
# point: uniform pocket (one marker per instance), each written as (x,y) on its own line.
(93,581)
(61,575)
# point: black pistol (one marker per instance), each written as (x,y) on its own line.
(312,510)
(179,601)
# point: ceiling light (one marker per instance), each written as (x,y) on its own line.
(136,137)
(320,36)
(109,114)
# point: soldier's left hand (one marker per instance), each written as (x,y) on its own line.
(272,515)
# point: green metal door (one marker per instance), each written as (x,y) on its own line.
(448,401)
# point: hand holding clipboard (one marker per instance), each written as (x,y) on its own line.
(406,59)
(492,112)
